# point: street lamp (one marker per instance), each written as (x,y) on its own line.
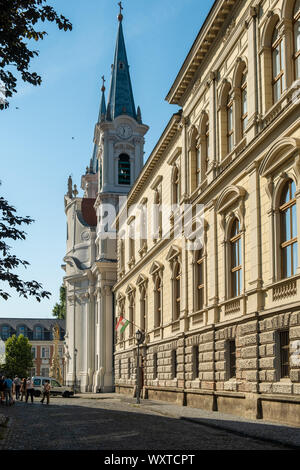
(75,379)
(139,339)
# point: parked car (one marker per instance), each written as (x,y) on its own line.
(56,387)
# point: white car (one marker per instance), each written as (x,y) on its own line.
(56,387)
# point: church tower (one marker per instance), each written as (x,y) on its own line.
(91,260)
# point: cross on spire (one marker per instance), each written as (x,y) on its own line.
(103,81)
(120,17)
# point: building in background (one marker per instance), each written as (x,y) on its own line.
(39,332)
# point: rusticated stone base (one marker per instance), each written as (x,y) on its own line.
(277,408)
(280,409)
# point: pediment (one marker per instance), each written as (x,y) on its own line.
(280,152)
(141,280)
(228,197)
(156,266)
(173,252)
(130,288)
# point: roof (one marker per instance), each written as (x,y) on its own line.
(88,212)
(32,322)
(217,16)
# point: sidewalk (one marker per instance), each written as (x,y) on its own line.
(260,429)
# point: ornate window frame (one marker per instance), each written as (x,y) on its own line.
(230,206)
(284,153)
(130,293)
(156,271)
(240,84)
(174,258)
(223,108)
(142,284)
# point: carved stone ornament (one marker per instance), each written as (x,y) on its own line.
(196,85)
(85,236)
(229,30)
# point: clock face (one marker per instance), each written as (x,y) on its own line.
(124,131)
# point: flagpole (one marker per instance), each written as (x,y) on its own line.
(138,327)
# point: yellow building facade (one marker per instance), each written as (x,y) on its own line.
(213,279)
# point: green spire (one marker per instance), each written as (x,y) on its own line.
(120,99)
(102,111)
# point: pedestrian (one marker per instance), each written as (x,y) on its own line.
(46,392)
(23,389)
(17,384)
(8,384)
(29,389)
(2,389)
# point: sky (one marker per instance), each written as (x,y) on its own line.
(50,135)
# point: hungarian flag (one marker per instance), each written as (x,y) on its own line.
(121,325)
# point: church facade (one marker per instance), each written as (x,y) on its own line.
(203,256)
(91,260)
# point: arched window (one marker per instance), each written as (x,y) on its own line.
(5,332)
(236,258)
(122,255)
(202,148)
(22,330)
(175,186)
(176,280)
(157,214)
(296,18)
(131,313)
(131,236)
(157,300)
(244,103)
(289,245)
(277,65)
(230,130)
(38,333)
(124,169)
(143,297)
(199,277)
(206,142)
(100,174)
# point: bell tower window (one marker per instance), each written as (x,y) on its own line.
(124,169)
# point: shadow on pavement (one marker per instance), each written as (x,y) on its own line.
(72,426)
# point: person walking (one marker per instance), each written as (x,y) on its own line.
(29,389)
(23,389)
(17,384)
(2,389)
(46,392)
(8,384)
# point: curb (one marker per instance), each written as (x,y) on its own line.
(286,444)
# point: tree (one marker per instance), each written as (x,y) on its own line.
(59,309)
(18,356)
(8,262)
(17,26)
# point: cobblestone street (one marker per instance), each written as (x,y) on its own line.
(112,424)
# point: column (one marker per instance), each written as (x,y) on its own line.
(212,265)
(254,241)
(108,341)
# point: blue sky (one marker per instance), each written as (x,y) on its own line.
(37,150)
